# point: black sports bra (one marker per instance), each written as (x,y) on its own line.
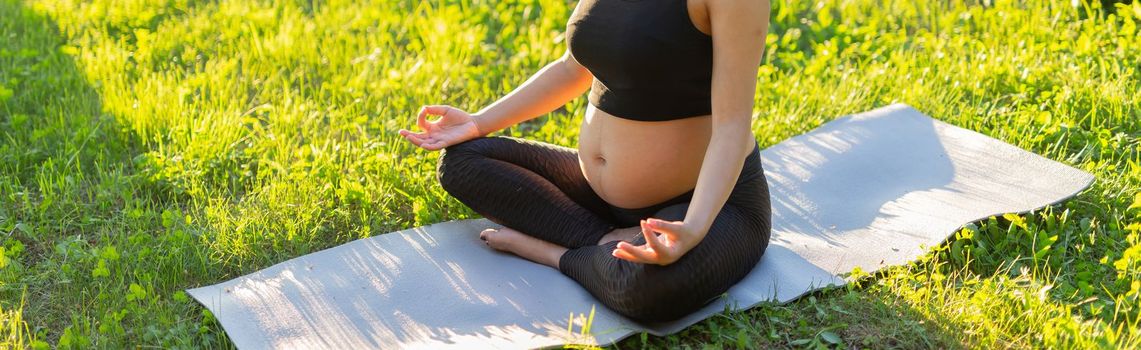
(648,59)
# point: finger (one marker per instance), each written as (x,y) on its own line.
(637,255)
(422,119)
(412,138)
(669,228)
(434,145)
(641,252)
(626,256)
(418,140)
(651,238)
(421,139)
(439,110)
(421,136)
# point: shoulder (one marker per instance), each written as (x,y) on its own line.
(748,8)
(743,15)
(740,3)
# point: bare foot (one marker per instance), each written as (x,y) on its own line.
(621,234)
(530,248)
(501,239)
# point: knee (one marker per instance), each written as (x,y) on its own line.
(648,302)
(647,299)
(644,293)
(454,159)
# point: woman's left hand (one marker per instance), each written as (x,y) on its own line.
(666,242)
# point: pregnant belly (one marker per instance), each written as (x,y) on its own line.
(636,164)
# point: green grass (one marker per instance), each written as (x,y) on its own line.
(151,146)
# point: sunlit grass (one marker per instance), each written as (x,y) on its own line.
(151,146)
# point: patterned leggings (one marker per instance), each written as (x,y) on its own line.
(538,189)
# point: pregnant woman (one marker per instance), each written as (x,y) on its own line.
(664,205)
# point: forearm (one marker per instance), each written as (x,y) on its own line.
(552,86)
(739,31)
(725,156)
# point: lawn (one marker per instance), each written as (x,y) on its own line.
(151,146)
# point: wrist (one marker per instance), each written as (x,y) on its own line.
(697,228)
(476,118)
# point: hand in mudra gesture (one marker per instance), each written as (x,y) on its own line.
(666,242)
(454,126)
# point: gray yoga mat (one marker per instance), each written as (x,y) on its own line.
(869,190)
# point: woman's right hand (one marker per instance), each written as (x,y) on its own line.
(454,126)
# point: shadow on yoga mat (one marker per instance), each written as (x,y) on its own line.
(868,190)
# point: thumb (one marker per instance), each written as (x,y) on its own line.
(440,110)
(670,228)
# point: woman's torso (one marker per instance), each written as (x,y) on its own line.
(635,164)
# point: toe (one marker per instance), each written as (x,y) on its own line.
(483,234)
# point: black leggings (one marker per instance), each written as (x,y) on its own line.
(538,189)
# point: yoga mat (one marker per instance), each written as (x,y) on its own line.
(868,190)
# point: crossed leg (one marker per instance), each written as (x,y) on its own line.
(540,251)
(552,216)
(535,190)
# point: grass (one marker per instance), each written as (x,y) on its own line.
(151,146)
